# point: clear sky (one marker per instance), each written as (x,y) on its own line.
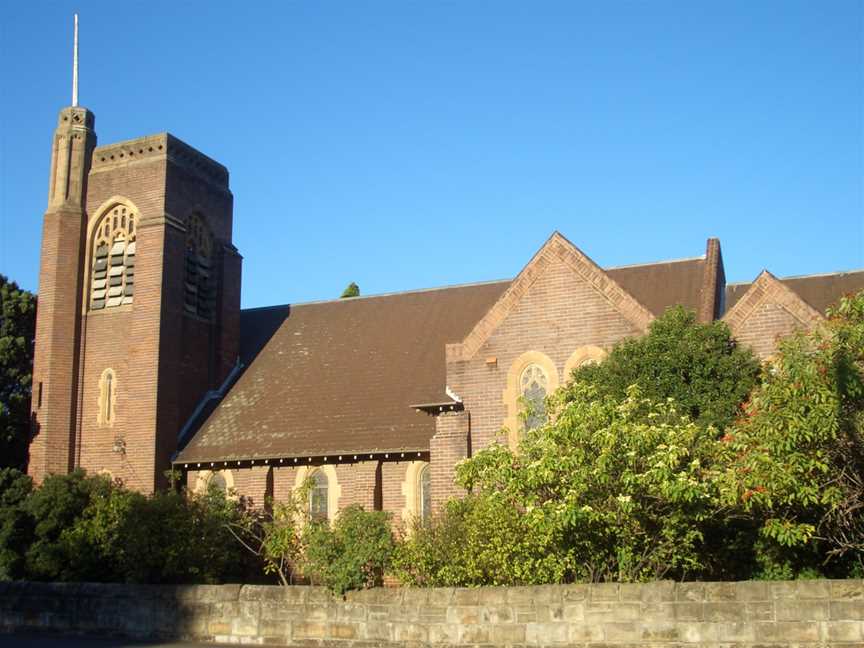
(408,145)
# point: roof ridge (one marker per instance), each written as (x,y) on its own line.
(378,295)
(650,263)
(822,274)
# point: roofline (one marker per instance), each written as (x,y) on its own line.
(652,263)
(823,274)
(379,295)
(336,457)
(804,276)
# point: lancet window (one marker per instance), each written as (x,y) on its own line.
(533,386)
(113,271)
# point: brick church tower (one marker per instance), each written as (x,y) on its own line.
(139,301)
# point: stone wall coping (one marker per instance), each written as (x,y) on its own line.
(692,614)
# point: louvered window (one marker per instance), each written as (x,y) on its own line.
(199,284)
(113,271)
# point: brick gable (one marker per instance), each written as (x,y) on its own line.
(768,311)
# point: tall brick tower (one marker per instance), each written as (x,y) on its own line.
(139,302)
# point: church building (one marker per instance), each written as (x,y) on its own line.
(145,361)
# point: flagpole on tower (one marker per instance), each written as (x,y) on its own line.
(75,64)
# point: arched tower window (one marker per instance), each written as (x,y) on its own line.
(107,397)
(424,493)
(199,286)
(318,496)
(113,270)
(533,386)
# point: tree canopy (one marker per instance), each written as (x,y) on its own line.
(351,290)
(699,365)
(17,334)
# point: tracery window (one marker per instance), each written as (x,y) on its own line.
(199,285)
(217,480)
(318,496)
(113,271)
(533,385)
(424,493)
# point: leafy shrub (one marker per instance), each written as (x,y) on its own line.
(623,484)
(174,537)
(352,554)
(80,528)
(482,540)
(795,459)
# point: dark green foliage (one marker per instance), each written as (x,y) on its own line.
(80,528)
(351,290)
(16,529)
(177,538)
(699,365)
(17,334)
(55,507)
(352,554)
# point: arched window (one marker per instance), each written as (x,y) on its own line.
(424,493)
(584,355)
(318,496)
(107,397)
(199,268)
(112,280)
(217,480)
(533,386)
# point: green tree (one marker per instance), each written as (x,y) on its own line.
(607,490)
(17,333)
(16,529)
(794,462)
(351,290)
(699,365)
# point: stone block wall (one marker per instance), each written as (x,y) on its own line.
(803,614)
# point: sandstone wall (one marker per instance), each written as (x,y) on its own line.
(707,615)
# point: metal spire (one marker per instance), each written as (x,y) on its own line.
(75,65)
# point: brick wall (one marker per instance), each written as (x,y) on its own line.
(802,614)
(558,312)
(765,326)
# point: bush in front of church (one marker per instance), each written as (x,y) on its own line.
(353,553)
(78,527)
(481,540)
(793,463)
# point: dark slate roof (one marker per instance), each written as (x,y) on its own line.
(657,286)
(340,377)
(820,291)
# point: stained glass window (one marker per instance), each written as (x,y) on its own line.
(533,387)
(318,504)
(217,480)
(112,281)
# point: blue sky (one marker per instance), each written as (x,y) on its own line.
(407,145)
